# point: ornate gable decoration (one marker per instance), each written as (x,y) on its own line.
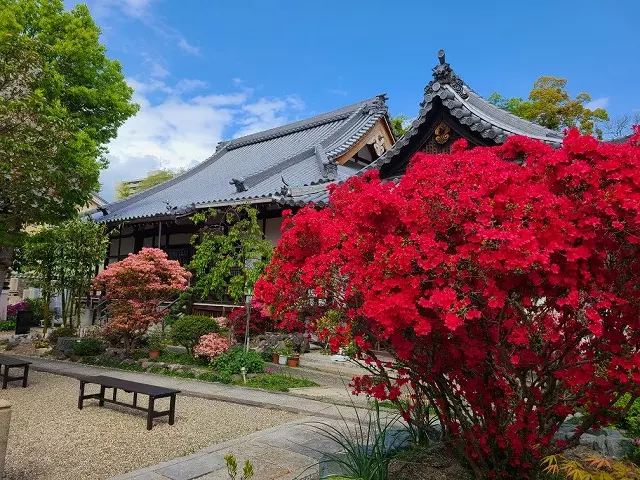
(443,74)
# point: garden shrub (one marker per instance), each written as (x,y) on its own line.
(60,332)
(231,362)
(188,329)
(503,282)
(211,345)
(12,310)
(135,287)
(7,325)
(88,347)
(630,421)
(259,322)
(36,306)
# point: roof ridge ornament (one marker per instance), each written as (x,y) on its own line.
(239,184)
(443,74)
(377,104)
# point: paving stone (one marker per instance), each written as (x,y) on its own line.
(149,476)
(193,468)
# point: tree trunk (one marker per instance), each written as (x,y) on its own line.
(6,260)
(45,326)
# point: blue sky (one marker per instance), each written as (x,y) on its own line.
(208,70)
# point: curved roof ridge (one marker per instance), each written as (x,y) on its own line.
(470,109)
(328,117)
(125,202)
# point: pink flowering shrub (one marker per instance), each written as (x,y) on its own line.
(12,310)
(211,345)
(135,287)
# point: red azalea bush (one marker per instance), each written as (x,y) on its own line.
(260,321)
(504,281)
(135,287)
(211,345)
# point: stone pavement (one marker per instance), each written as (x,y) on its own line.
(287,452)
(213,391)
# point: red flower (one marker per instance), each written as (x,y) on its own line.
(476,275)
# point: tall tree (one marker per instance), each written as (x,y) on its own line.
(63,260)
(550,105)
(62,100)
(399,125)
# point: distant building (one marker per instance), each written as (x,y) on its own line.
(134,186)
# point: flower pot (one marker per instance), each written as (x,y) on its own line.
(155,353)
(276,358)
(293,361)
(283,360)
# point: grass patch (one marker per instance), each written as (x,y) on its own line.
(277,382)
(134,367)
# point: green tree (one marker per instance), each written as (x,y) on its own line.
(550,105)
(154,178)
(227,265)
(62,101)
(399,125)
(63,260)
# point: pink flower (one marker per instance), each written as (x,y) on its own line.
(211,345)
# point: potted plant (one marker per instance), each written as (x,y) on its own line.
(293,360)
(285,352)
(155,342)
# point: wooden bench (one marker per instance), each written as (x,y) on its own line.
(12,362)
(152,391)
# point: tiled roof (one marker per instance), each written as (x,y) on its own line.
(471,110)
(464,104)
(256,167)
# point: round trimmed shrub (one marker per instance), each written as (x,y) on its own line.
(59,333)
(188,329)
(88,347)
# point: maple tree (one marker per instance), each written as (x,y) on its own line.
(504,282)
(135,288)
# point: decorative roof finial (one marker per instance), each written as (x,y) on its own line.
(444,75)
(239,184)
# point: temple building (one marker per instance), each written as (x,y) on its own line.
(291,166)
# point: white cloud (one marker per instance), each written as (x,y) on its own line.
(338,91)
(174,129)
(141,10)
(601,102)
(268,113)
(187,84)
(187,47)
(158,71)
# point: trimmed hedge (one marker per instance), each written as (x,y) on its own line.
(188,329)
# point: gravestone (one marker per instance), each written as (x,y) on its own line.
(24,321)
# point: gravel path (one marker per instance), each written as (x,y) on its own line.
(50,439)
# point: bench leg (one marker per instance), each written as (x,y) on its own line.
(172,409)
(135,399)
(102,392)
(5,377)
(25,376)
(81,396)
(115,392)
(150,412)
